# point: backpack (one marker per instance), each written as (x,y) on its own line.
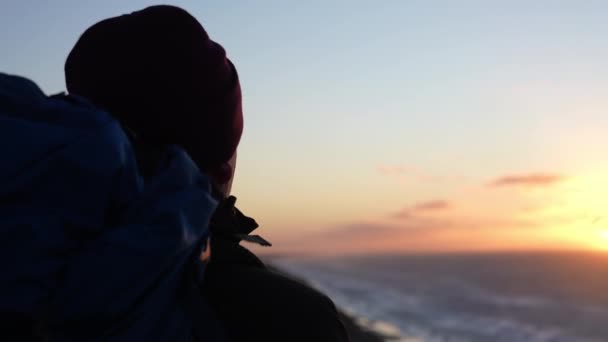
(89,249)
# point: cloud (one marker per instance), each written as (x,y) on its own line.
(419,233)
(432,206)
(360,237)
(423,207)
(528,180)
(378,230)
(361,229)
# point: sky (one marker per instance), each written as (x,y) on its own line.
(394,126)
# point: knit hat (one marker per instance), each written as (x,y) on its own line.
(158,72)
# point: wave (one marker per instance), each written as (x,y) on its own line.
(448,309)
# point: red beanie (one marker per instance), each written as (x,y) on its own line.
(158,72)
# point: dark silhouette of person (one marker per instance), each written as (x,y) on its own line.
(158,72)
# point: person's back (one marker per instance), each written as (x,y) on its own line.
(158,72)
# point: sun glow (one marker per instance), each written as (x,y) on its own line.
(577,215)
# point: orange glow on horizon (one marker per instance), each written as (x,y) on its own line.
(565,216)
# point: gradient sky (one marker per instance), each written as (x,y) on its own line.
(395,125)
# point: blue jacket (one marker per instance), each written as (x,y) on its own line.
(89,249)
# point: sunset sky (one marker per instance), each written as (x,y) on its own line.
(410,126)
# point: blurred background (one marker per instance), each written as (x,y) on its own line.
(438,167)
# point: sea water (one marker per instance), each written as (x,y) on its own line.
(468,297)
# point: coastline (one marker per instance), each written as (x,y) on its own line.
(356,331)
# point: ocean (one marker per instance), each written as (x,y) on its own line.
(548,297)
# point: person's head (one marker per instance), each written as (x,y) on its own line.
(161,75)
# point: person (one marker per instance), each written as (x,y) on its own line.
(158,72)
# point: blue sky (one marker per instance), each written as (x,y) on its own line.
(463,91)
